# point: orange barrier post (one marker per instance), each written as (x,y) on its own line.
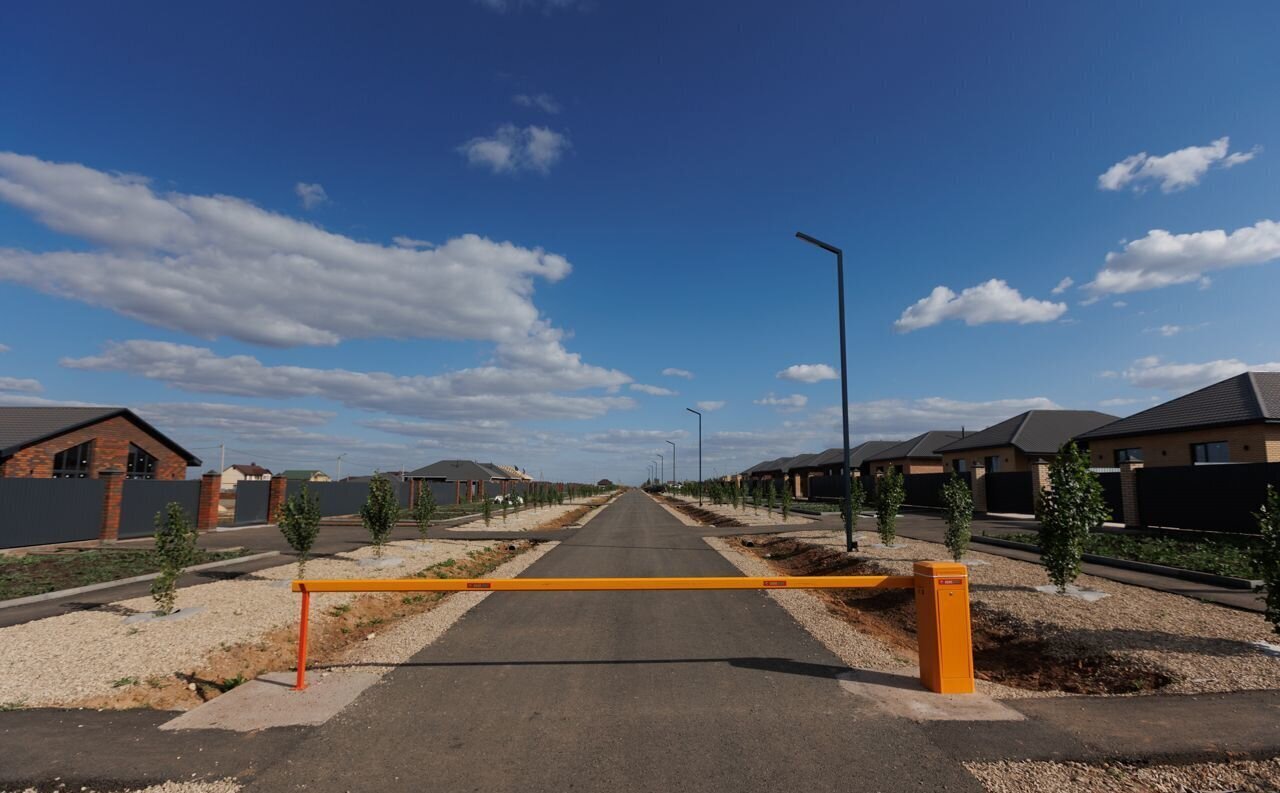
(943,628)
(302,640)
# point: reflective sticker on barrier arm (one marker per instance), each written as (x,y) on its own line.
(772,584)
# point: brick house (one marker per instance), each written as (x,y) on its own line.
(244,473)
(1015,443)
(919,455)
(1236,420)
(80,442)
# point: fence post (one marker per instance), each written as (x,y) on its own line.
(978,480)
(112,495)
(275,497)
(1129,493)
(1039,481)
(210,496)
(943,629)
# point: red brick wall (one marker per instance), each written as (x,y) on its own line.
(110,450)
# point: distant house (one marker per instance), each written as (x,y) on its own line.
(831,462)
(79,442)
(1015,443)
(243,473)
(604,483)
(472,479)
(919,455)
(305,475)
(1234,421)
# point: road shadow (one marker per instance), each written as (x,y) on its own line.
(763,664)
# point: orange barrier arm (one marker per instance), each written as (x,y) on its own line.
(942,601)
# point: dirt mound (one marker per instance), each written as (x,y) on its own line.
(703,516)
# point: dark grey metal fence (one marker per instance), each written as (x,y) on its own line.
(335,498)
(1110,481)
(445,493)
(826,488)
(143,498)
(251,502)
(1010,491)
(41,511)
(924,490)
(1205,497)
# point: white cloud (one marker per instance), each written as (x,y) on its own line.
(1152,372)
(4,348)
(488,392)
(311,195)
(544,102)
(1063,285)
(409,242)
(784,404)
(901,418)
(710,405)
(1167,330)
(21,385)
(652,390)
(1119,304)
(219,266)
(1174,171)
(992,301)
(1124,401)
(545,6)
(808,373)
(511,149)
(671,371)
(250,420)
(1162,259)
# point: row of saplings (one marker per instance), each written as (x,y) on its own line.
(299,522)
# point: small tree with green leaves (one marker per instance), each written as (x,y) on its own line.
(379,512)
(1070,508)
(771,497)
(506,503)
(300,524)
(486,509)
(755,498)
(1266,554)
(424,509)
(890,493)
(851,508)
(176,550)
(957,504)
(786,499)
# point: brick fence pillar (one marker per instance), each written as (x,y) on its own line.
(1039,480)
(1129,493)
(210,496)
(112,494)
(275,497)
(978,478)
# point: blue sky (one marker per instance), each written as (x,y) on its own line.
(199,213)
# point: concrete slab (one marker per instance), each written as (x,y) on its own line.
(270,701)
(1073,591)
(381,563)
(901,694)
(151,616)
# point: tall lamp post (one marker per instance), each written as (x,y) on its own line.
(844,384)
(699,415)
(673,462)
(662,464)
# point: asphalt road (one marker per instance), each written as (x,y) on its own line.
(661,691)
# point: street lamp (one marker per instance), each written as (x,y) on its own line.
(662,464)
(673,462)
(844,384)
(699,415)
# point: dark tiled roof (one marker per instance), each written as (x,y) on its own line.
(456,471)
(857,454)
(300,474)
(252,469)
(767,465)
(1243,399)
(799,461)
(23,426)
(924,445)
(1034,432)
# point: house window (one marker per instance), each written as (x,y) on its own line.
(992,463)
(1213,452)
(142,465)
(959,466)
(1128,455)
(73,463)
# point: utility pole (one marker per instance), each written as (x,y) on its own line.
(222,457)
(673,462)
(699,415)
(662,468)
(338,478)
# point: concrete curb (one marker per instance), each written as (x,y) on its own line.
(1227,581)
(80,590)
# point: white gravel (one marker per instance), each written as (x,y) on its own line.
(749,515)
(72,657)
(1242,776)
(1205,647)
(219,786)
(527,518)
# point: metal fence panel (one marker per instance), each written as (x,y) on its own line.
(924,490)
(1110,481)
(335,498)
(1010,491)
(42,511)
(1205,497)
(251,502)
(141,499)
(826,488)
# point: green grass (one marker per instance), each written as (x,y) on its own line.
(35,574)
(815,506)
(1219,555)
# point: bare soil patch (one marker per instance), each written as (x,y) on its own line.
(703,516)
(334,631)
(567,519)
(1004,652)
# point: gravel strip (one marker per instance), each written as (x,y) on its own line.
(1205,647)
(72,657)
(677,514)
(404,640)
(527,519)
(748,516)
(220,786)
(1243,776)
